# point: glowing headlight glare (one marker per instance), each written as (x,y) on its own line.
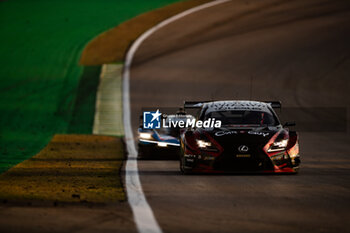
(278,146)
(145,135)
(203,144)
(162,144)
(281,144)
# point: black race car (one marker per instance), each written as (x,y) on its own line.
(250,139)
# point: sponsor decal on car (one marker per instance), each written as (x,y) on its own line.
(223,133)
(264,134)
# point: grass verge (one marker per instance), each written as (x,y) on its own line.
(71,168)
(40,46)
(112,45)
(84,107)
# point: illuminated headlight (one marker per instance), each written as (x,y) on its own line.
(162,144)
(278,146)
(145,135)
(203,144)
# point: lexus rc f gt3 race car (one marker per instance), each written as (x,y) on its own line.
(250,139)
(163,142)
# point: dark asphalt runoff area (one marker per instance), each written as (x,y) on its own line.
(297,52)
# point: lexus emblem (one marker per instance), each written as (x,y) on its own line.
(243,148)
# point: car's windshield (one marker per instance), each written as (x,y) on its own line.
(242,117)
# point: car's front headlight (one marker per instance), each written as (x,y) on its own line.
(278,145)
(203,144)
(145,135)
(206,145)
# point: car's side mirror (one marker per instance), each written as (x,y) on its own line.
(291,123)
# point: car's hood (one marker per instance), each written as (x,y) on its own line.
(166,138)
(235,137)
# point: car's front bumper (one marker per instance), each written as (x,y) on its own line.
(229,164)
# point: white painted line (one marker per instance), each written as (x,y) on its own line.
(143,215)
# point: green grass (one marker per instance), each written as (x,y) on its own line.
(84,107)
(40,45)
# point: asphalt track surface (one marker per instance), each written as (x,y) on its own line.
(294,51)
